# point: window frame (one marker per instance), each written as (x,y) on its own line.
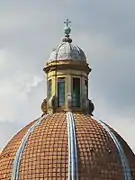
(63,80)
(49,88)
(74,103)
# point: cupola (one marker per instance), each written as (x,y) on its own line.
(67,78)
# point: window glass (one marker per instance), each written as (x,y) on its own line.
(61,91)
(76,92)
(49,89)
(86,88)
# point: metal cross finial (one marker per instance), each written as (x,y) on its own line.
(67,29)
(67,22)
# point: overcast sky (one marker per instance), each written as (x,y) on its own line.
(30,29)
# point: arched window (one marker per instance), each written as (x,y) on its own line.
(76,92)
(49,88)
(61,92)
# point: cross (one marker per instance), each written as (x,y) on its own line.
(67,22)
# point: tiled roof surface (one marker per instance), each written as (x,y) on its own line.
(46,152)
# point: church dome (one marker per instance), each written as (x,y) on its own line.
(67,51)
(61,145)
(67,142)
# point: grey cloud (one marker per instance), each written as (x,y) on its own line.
(112,70)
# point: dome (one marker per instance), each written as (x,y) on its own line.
(64,145)
(67,51)
(67,142)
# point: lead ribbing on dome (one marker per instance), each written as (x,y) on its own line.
(17,160)
(72,148)
(123,158)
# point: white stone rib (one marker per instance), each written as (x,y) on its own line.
(123,158)
(69,147)
(72,148)
(17,160)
